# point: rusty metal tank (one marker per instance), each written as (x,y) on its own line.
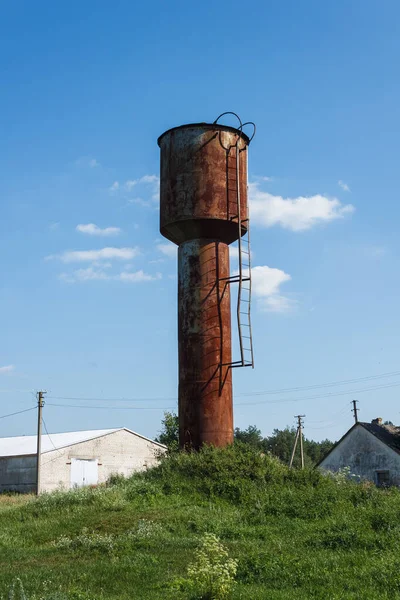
(198,193)
(201,200)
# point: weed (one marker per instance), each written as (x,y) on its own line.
(211,576)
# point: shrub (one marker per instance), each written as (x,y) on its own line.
(212,574)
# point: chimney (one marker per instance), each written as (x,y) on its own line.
(377,421)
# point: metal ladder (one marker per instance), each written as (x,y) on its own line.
(243,278)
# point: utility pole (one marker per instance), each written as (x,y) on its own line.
(294,448)
(300,430)
(299,435)
(39,440)
(301,439)
(355,410)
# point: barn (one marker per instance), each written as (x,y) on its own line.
(74,459)
(371,451)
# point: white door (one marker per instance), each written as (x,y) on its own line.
(84,472)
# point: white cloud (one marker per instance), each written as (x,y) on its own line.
(276,303)
(93,274)
(266,282)
(114,187)
(137,277)
(296,214)
(7,369)
(89,274)
(234,252)
(263,178)
(151,183)
(169,249)
(92,229)
(152,180)
(343,185)
(96,255)
(131,183)
(87,161)
(145,179)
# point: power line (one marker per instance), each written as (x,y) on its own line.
(258,393)
(329,395)
(48,435)
(113,399)
(4,391)
(18,413)
(113,407)
(261,402)
(322,385)
(342,412)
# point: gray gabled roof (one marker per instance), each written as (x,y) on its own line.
(388,434)
(27,444)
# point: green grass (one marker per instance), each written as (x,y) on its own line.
(295,534)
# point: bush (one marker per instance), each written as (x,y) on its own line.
(212,574)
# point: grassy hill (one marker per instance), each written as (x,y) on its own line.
(293,534)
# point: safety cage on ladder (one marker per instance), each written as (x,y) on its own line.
(243,277)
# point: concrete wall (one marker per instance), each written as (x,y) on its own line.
(365,455)
(18,474)
(119,452)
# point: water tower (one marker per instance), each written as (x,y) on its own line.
(204,209)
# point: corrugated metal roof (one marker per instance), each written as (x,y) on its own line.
(25,445)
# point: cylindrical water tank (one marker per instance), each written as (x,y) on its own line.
(198,187)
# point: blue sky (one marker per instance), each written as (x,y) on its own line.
(88,288)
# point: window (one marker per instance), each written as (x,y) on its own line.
(382,478)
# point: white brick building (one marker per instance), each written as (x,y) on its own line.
(74,459)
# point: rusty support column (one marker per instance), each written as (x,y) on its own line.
(204,335)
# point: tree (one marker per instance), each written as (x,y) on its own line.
(251,435)
(169,434)
(281,443)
